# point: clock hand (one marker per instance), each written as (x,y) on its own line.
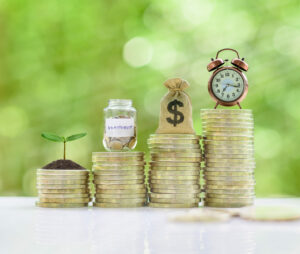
(225,87)
(232,85)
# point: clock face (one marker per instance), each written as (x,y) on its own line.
(228,85)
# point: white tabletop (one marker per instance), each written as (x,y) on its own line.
(25,228)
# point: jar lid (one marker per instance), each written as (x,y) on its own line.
(120,102)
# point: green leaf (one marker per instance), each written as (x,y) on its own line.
(76,136)
(52,137)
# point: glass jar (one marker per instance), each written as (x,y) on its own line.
(120,125)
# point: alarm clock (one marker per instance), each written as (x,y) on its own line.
(228,85)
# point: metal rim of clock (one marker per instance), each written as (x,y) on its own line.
(231,103)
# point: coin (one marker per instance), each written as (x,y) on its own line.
(172,141)
(60,205)
(121,196)
(176,150)
(228,151)
(229,156)
(97,168)
(229,138)
(118,205)
(118,177)
(229,187)
(64,195)
(121,200)
(113,164)
(154,172)
(161,205)
(64,171)
(156,181)
(134,181)
(64,200)
(121,186)
(227,111)
(117,159)
(174,168)
(174,196)
(174,146)
(225,196)
(239,168)
(172,163)
(191,136)
(231,191)
(62,186)
(63,182)
(229,164)
(62,177)
(224,205)
(175,191)
(63,191)
(176,155)
(121,191)
(175,186)
(117,154)
(218,182)
(176,201)
(228,178)
(118,173)
(176,177)
(229,200)
(178,159)
(231,173)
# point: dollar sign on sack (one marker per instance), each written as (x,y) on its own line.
(178,116)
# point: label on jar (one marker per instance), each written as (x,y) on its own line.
(119,127)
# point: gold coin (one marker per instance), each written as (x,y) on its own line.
(117,154)
(134,181)
(154,172)
(176,150)
(174,168)
(118,173)
(225,196)
(62,186)
(175,164)
(63,182)
(60,205)
(176,177)
(117,168)
(174,146)
(63,191)
(229,138)
(62,177)
(152,141)
(175,191)
(156,181)
(219,124)
(231,191)
(174,196)
(72,195)
(229,187)
(228,151)
(176,201)
(175,186)
(121,196)
(161,205)
(229,156)
(114,164)
(219,182)
(178,159)
(229,160)
(224,205)
(121,200)
(192,136)
(176,155)
(234,129)
(117,159)
(123,191)
(228,178)
(121,186)
(116,205)
(229,200)
(229,164)
(64,200)
(227,111)
(233,144)
(240,168)
(230,173)
(119,177)
(64,171)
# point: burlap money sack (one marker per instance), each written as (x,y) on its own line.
(176,109)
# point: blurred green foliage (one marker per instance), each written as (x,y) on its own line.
(60,62)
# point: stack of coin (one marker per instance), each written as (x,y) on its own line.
(119,179)
(228,139)
(174,170)
(63,188)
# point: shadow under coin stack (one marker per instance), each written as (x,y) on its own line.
(63,188)
(228,138)
(119,179)
(174,170)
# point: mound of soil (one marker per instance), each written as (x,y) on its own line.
(63,164)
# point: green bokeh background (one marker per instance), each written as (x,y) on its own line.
(61,61)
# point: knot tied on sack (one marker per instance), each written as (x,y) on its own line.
(176,84)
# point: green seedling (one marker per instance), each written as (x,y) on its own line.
(56,138)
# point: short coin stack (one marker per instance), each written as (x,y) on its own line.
(119,179)
(228,139)
(63,188)
(174,170)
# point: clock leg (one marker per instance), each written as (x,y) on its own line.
(217,104)
(239,105)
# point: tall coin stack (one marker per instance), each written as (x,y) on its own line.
(174,170)
(228,139)
(63,188)
(119,179)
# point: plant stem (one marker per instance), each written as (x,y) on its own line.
(64,150)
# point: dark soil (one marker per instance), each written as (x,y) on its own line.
(63,164)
